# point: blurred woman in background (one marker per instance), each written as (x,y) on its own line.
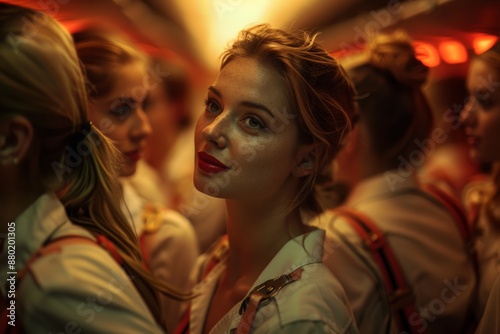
(481,117)
(65,280)
(119,89)
(394,247)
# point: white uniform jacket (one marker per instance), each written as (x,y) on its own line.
(427,245)
(78,290)
(172,251)
(490,322)
(316,303)
(487,240)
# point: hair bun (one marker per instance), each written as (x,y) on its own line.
(395,54)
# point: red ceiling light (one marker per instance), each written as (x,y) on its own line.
(453,52)
(427,54)
(483,42)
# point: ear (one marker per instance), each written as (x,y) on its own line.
(350,140)
(306,161)
(16,136)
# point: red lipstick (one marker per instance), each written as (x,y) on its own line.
(209,164)
(134,155)
(473,141)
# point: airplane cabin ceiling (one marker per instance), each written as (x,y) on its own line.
(194,32)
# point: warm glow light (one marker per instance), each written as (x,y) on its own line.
(482,43)
(213,24)
(453,52)
(427,54)
(229,17)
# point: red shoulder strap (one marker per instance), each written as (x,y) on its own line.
(263,293)
(400,294)
(456,209)
(54,246)
(453,206)
(217,255)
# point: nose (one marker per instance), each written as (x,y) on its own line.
(215,131)
(468,115)
(141,129)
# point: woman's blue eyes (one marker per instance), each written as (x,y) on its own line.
(123,107)
(212,106)
(121,111)
(251,122)
(485,103)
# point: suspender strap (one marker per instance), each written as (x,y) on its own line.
(54,246)
(455,208)
(218,253)
(146,260)
(400,294)
(108,245)
(261,295)
(458,212)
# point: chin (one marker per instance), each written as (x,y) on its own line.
(208,187)
(128,171)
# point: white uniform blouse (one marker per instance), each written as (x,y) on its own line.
(316,303)
(427,245)
(78,290)
(490,322)
(487,240)
(172,251)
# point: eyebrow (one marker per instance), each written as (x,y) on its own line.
(248,104)
(121,100)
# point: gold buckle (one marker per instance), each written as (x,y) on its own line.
(267,290)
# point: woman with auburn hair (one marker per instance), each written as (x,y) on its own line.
(275,115)
(395,247)
(77,259)
(120,86)
(481,118)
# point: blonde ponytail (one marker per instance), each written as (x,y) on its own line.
(66,153)
(91,202)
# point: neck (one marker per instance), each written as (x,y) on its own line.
(256,234)
(372,165)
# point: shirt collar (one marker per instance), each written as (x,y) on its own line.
(132,206)
(36,225)
(304,249)
(33,227)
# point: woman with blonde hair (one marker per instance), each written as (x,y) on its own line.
(77,259)
(120,88)
(274,117)
(481,118)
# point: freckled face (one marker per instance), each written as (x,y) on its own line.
(481,115)
(246,140)
(120,115)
